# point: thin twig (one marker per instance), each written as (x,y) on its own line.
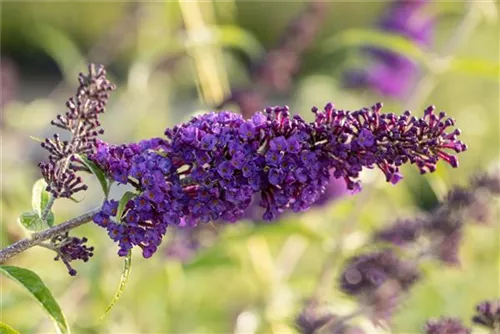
(35,239)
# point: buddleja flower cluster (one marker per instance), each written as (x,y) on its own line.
(211,167)
(390,73)
(82,122)
(379,280)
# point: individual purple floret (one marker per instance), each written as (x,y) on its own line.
(488,314)
(389,73)
(211,167)
(82,121)
(445,325)
(71,248)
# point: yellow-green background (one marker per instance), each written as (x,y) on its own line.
(255,275)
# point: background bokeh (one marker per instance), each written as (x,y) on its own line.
(170,61)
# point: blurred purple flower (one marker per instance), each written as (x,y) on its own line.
(389,73)
(488,314)
(401,232)
(377,280)
(275,71)
(313,317)
(445,325)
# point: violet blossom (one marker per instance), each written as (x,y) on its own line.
(187,179)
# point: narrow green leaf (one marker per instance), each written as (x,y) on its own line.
(37,139)
(235,37)
(476,67)
(6,329)
(76,200)
(292,227)
(59,45)
(32,221)
(98,172)
(209,259)
(40,292)
(123,282)
(50,219)
(39,196)
(381,40)
(121,206)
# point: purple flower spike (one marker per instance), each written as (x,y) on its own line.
(82,121)
(214,166)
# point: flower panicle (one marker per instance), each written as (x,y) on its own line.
(211,167)
(81,120)
(70,249)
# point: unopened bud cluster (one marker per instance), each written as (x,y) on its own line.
(82,122)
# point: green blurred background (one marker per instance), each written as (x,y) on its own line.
(254,277)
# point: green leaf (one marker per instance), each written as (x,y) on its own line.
(279,230)
(76,200)
(211,258)
(32,221)
(98,172)
(476,67)
(381,40)
(40,292)
(39,196)
(121,206)
(59,45)
(37,139)
(50,219)
(240,39)
(123,282)
(6,329)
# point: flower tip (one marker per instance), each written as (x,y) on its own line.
(396,177)
(454,162)
(429,110)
